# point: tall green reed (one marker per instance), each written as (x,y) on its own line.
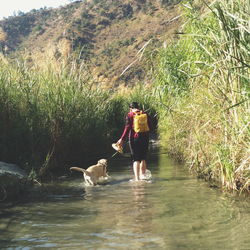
(54,118)
(208,120)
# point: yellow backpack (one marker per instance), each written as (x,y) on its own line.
(140,122)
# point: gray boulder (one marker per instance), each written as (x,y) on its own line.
(12,180)
(7,169)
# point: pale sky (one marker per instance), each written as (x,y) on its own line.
(7,7)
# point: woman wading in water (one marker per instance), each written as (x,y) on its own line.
(137,129)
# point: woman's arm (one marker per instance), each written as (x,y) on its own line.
(127,128)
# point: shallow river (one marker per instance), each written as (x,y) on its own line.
(173,211)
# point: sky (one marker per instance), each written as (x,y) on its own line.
(8,7)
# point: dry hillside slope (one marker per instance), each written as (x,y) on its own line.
(113,37)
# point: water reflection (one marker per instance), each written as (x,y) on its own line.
(143,216)
(174,211)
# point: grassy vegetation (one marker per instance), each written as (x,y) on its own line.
(56,116)
(203,92)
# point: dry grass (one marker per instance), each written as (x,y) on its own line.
(60,31)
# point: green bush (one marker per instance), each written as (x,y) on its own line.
(202,89)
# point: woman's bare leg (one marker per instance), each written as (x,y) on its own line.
(143,167)
(136,168)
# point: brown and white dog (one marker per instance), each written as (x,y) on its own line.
(94,172)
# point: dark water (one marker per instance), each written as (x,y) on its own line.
(174,211)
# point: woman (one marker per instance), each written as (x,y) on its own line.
(137,129)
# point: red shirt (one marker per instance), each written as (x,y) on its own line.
(129,127)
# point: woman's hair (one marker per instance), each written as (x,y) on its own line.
(134,105)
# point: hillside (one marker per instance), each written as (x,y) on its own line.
(110,36)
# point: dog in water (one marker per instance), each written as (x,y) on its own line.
(94,172)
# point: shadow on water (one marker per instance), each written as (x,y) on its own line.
(173,211)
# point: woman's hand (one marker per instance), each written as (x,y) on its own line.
(119,143)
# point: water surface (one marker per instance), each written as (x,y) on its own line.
(173,211)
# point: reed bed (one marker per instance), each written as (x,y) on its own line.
(55,115)
(203,92)
(53,118)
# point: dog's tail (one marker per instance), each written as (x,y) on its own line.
(78,169)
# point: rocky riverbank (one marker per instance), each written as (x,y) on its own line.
(13,182)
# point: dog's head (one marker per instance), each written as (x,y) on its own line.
(103,162)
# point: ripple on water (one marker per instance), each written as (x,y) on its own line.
(174,211)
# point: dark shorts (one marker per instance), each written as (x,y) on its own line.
(139,147)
